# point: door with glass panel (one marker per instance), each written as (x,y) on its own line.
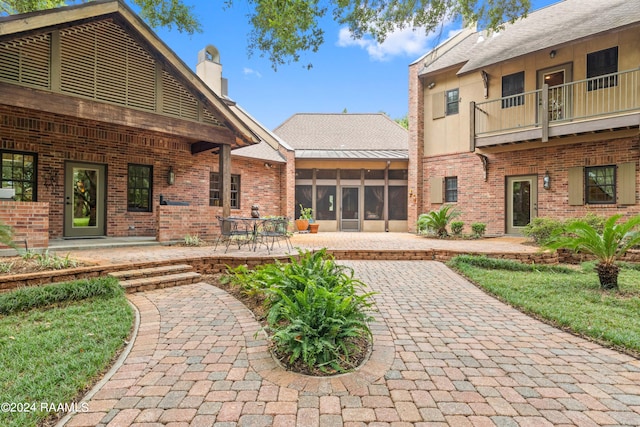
(522,202)
(84,200)
(350,209)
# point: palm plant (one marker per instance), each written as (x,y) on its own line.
(437,221)
(607,246)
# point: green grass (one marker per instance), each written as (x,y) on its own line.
(569,298)
(51,354)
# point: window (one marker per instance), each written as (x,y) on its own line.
(215,190)
(139,188)
(326,174)
(600,184)
(452,97)
(513,84)
(451,189)
(325,202)
(304,197)
(19,173)
(373,201)
(398,202)
(601,63)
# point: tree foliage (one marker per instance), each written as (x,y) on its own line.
(284,29)
(157,13)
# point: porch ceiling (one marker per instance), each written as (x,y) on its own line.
(204,137)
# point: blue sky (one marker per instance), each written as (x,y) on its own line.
(359,76)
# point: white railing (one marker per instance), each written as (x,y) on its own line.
(607,95)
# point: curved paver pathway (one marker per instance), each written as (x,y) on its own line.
(445,354)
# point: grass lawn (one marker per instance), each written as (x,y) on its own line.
(50,355)
(567,297)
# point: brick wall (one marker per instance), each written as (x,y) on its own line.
(30,223)
(484,201)
(58,139)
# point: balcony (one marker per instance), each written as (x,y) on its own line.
(604,103)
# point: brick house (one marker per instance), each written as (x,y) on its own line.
(539,119)
(104,131)
(351,169)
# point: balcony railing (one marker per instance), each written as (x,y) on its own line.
(533,115)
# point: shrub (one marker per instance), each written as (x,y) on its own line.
(6,235)
(456,227)
(541,229)
(504,264)
(437,221)
(316,308)
(40,296)
(478,229)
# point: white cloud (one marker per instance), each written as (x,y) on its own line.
(248,72)
(405,42)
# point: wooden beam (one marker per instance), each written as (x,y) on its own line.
(33,99)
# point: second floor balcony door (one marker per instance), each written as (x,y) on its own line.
(559,94)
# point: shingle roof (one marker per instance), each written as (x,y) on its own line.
(548,27)
(343,132)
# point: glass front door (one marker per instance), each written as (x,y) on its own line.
(350,208)
(522,205)
(84,200)
(559,106)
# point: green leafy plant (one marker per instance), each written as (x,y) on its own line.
(437,221)
(305,213)
(540,229)
(192,240)
(478,228)
(317,311)
(46,260)
(457,227)
(606,246)
(5,267)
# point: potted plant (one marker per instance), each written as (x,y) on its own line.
(306,214)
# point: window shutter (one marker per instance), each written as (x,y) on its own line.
(437,108)
(627,186)
(576,186)
(435,189)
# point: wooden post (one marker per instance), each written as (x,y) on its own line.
(544,119)
(224,159)
(472,126)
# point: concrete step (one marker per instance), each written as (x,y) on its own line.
(146,279)
(151,271)
(159,282)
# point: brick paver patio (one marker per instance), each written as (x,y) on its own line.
(445,354)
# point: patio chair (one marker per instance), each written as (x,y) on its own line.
(273,230)
(233,231)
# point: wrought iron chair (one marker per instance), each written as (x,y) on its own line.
(273,230)
(232,231)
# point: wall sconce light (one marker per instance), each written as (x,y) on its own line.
(171,176)
(268,165)
(552,54)
(546,181)
(431,85)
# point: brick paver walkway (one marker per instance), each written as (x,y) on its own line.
(445,354)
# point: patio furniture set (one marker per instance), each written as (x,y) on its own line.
(253,232)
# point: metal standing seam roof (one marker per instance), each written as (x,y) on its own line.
(548,27)
(353,155)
